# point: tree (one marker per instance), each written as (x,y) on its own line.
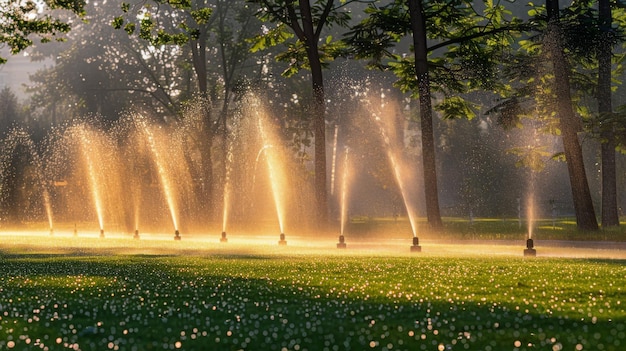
(610,216)
(210,38)
(307,22)
(418,28)
(472,40)
(569,123)
(9,110)
(544,73)
(21,21)
(103,71)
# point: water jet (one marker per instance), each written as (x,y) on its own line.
(343,200)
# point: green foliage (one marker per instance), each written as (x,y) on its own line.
(471,46)
(456,107)
(152,28)
(531,157)
(325,13)
(274,36)
(22,22)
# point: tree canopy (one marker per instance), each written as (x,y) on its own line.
(23,21)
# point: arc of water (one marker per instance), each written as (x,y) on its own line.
(346,175)
(19,136)
(334,163)
(166,183)
(92,176)
(397,168)
(272,160)
(227,186)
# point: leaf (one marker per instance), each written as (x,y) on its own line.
(130,28)
(202,15)
(456,107)
(117,22)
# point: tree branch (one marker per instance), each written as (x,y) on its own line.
(520,28)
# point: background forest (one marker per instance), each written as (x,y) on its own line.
(492,72)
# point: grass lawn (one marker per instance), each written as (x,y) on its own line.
(123,294)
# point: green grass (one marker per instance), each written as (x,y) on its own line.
(130,295)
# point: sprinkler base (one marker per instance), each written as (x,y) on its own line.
(416,248)
(177,235)
(530,252)
(416,245)
(282,240)
(102,233)
(223,239)
(136,235)
(342,242)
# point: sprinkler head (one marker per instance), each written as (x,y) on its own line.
(176,235)
(282,239)
(136,236)
(51,232)
(342,242)
(75,230)
(416,245)
(530,251)
(102,233)
(223,239)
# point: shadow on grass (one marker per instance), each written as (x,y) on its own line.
(239,302)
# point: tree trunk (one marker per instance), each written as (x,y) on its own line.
(570,124)
(319,110)
(198,49)
(610,217)
(418,26)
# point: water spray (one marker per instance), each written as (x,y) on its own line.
(343,200)
(223,239)
(282,240)
(416,245)
(176,235)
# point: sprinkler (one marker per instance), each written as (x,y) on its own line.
(416,245)
(51,232)
(176,235)
(75,230)
(529,250)
(282,239)
(223,239)
(102,233)
(342,242)
(136,236)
